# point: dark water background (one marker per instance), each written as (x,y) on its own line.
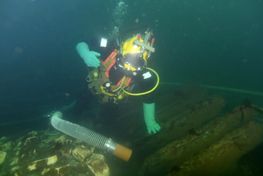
(202,42)
(206,41)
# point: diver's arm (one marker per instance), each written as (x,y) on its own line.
(145,83)
(149,108)
(90,58)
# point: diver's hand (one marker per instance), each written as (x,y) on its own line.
(153,127)
(91,58)
(149,118)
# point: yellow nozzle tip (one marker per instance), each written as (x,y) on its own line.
(122,152)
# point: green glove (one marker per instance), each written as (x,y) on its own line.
(149,118)
(89,57)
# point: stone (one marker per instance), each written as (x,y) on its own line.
(81,153)
(97,165)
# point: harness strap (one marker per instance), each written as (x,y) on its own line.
(109,62)
(125,80)
(96,82)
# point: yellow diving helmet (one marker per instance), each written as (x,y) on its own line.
(135,52)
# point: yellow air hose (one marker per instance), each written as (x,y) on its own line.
(148,91)
(131,93)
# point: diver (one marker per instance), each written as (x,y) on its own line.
(124,73)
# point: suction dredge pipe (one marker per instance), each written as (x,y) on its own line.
(90,137)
